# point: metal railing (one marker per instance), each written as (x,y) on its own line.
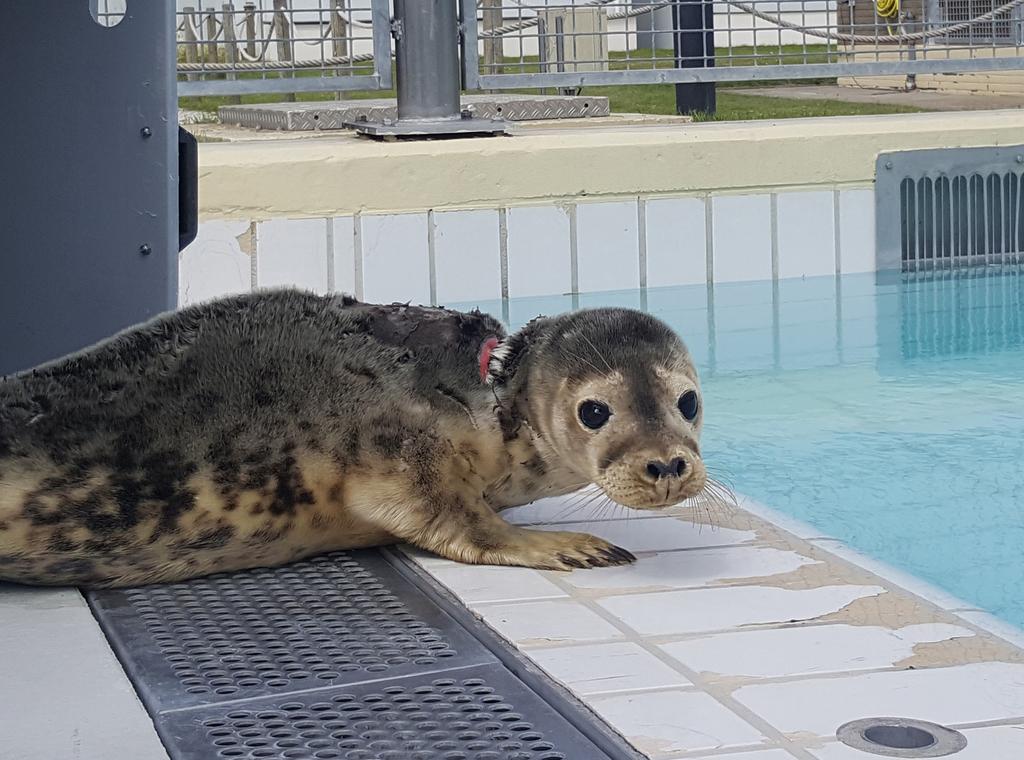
(572,43)
(334,45)
(283,46)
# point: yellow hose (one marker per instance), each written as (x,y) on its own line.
(888,9)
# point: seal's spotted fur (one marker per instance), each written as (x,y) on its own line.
(262,428)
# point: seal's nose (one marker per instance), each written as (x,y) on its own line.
(673,469)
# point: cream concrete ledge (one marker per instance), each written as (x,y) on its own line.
(343,175)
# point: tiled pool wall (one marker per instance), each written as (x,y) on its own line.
(570,246)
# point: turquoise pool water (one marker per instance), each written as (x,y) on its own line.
(885,411)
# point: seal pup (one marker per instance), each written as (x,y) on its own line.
(259,429)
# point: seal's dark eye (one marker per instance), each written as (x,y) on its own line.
(688,405)
(594,414)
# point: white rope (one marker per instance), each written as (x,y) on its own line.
(259,62)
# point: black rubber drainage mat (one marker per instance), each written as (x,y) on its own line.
(348,656)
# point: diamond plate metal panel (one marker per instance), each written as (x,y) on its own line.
(311,116)
(341,618)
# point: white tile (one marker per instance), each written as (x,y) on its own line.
(553,622)
(676,245)
(574,507)
(696,611)
(691,569)
(857,230)
(475,584)
(539,257)
(607,251)
(660,534)
(467,256)
(742,237)
(214,264)
(396,262)
(344,254)
(807,238)
(292,252)
(800,651)
(672,721)
(990,743)
(607,668)
(961,694)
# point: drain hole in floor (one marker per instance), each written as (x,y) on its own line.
(899,737)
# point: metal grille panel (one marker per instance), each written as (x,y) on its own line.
(337,657)
(476,714)
(331,620)
(950,208)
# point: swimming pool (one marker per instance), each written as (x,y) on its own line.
(884,410)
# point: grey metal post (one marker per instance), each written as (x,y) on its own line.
(90,236)
(429,77)
(427,59)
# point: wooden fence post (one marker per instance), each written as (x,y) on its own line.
(250,28)
(282,30)
(210,54)
(339,37)
(492,18)
(191,45)
(230,44)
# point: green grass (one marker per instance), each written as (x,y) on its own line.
(734,106)
(653,98)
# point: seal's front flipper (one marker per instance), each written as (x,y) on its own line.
(551,550)
(470,531)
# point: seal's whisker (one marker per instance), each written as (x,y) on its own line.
(582,359)
(578,501)
(597,351)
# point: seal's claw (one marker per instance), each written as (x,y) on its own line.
(550,550)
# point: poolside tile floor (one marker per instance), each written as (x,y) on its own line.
(743,635)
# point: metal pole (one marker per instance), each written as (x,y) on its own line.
(427,43)
(427,60)
(694,43)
